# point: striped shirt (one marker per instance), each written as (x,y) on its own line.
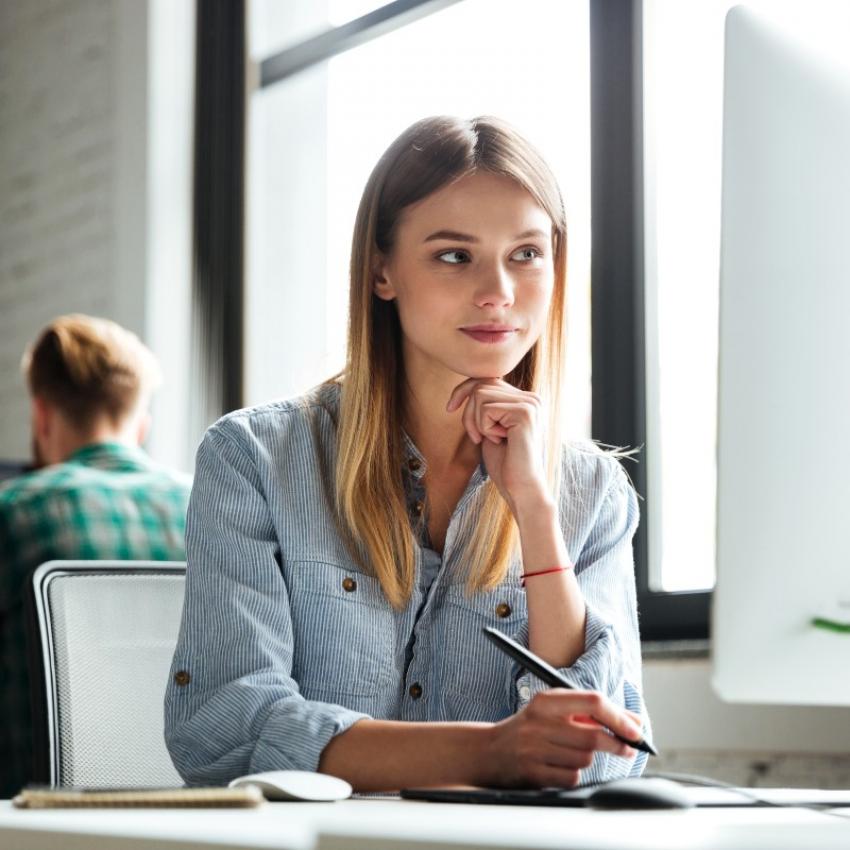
(285,642)
(107,501)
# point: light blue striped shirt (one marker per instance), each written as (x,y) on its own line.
(285,642)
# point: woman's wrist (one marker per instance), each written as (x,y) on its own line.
(534,509)
(484,768)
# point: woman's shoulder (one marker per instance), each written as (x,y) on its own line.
(273,420)
(592,469)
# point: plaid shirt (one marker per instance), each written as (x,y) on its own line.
(106,502)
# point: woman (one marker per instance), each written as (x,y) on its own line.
(346,548)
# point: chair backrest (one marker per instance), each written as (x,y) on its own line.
(108,631)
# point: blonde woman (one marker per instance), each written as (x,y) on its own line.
(346,548)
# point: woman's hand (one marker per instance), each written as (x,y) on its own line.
(549,741)
(504,421)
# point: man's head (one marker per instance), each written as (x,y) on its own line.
(90,381)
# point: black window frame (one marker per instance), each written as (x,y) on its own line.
(617,248)
(618,360)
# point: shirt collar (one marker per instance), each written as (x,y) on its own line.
(110,455)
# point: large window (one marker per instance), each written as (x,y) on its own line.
(682,109)
(315,134)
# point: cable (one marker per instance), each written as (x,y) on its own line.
(692,779)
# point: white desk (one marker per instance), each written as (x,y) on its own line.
(396,825)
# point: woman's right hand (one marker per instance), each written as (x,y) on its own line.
(549,741)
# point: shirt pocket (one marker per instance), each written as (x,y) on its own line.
(474,669)
(343,631)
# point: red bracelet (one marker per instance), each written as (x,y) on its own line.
(524,576)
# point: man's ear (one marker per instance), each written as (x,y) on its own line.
(144,428)
(382,284)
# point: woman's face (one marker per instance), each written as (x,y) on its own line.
(471,272)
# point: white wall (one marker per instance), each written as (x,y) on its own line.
(768,745)
(688,714)
(95,153)
(57,170)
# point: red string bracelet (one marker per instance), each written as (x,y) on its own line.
(524,576)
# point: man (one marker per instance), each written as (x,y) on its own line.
(94,493)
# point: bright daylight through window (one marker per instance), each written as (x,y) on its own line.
(683,92)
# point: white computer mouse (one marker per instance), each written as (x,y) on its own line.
(301,785)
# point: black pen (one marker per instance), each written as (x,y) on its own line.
(548,674)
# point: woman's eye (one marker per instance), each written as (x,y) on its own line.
(453,258)
(526,254)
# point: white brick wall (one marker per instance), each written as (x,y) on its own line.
(57,106)
(95,188)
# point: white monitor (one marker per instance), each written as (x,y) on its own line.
(783,488)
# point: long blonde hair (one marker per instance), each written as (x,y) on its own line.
(370,451)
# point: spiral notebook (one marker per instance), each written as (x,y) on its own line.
(55,798)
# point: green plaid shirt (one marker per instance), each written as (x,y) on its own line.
(106,502)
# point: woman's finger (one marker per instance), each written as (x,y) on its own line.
(469,418)
(560,702)
(500,389)
(485,397)
(550,776)
(507,415)
(587,739)
(462,391)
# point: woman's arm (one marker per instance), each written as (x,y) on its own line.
(610,660)
(556,607)
(504,421)
(542,745)
(232,706)
(584,622)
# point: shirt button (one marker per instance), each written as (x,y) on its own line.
(415,690)
(414,465)
(181,678)
(349,585)
(418,507)
(525,692)
(503,610)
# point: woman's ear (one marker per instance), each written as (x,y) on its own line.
(382,284)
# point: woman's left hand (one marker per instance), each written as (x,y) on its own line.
(505,422)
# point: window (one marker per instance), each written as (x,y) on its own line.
(315,135)
(682,125)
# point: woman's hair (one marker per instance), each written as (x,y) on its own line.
(88,367)
(369,489)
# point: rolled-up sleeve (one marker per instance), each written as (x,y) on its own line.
(611,661)
(232,706)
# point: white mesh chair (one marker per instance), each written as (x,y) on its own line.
(108,631)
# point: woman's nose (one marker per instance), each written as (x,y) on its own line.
(495,288)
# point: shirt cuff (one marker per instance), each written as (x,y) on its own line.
(297,731)
(599,668)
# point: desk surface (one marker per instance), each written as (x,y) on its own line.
(370,824)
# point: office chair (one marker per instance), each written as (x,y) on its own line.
(106,632)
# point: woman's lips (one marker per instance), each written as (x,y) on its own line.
(490,335)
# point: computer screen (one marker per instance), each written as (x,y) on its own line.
(781,610)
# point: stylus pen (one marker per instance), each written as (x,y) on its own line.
(548,674)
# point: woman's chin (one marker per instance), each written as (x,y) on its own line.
(489,368)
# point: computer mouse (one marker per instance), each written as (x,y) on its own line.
(637,792)
(302,785)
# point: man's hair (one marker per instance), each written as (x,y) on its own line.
(89,367)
